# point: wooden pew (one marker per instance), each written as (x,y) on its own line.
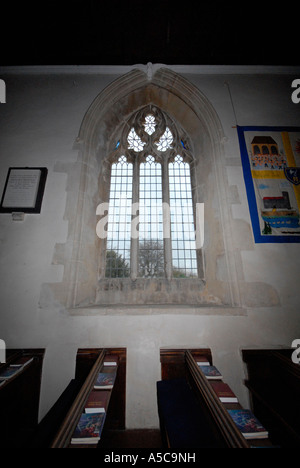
(89,363)
(274,385)
(20,396)
(201,403)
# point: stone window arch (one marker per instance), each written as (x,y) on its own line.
(199,141)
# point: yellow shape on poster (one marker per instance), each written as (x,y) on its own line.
(291,161)
(268,174)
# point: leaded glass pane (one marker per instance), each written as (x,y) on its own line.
(182,220)
(151,247)
(150,124)
(165,141)
(134,141)
(119,220)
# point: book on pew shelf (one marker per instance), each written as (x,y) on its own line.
(10,372)
(248,424)
(97,401)
(105,381)
(110,361)
(89,428)
(211,372)
(202,361)
(15,368)
(224,392)
(23,361)
(110,364)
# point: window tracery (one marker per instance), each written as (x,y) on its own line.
(152,156)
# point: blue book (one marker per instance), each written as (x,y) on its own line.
(105,381)
(248,424)
(211,372)
(10,372)
(89,428)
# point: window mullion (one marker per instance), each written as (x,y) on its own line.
(135,213)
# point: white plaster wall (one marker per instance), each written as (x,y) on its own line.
(38,126)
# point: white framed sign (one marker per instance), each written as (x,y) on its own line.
(24,190)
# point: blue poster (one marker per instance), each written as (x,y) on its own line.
(271,166)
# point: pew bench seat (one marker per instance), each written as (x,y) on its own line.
(183,422)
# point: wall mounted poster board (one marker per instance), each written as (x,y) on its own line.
(271,167)
(24,190)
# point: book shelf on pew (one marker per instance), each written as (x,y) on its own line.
(230,421)
(244,420)
(20,383)
(100,402)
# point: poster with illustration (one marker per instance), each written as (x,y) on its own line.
(271,166)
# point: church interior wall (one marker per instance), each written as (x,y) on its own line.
(39,124)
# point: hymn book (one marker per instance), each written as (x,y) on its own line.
(248,424)
(89,428)
(97,401)
(211,372)
(224,392)
(105,381)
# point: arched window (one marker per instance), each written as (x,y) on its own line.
(151,226)
(166,100)
(274,149)
(265,150)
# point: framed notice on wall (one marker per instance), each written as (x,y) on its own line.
(24,190)
(271,166)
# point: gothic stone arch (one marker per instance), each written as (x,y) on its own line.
(89,182)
